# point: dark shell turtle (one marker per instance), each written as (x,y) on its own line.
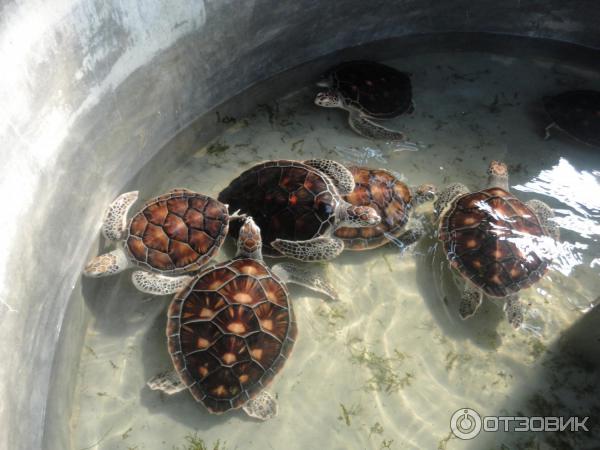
(229,333)
(377,90)
(174,233)
(230,328)
(368,91)
(392,199)
(494,241)
(297,205)
(577,113)
(481,233)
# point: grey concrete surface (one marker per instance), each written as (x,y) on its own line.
(91,91)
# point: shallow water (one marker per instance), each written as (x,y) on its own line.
(388,365)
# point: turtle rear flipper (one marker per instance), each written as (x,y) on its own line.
(470,302)
(292,273)
(262,407)
(107,264)
(318,249)
(340,175)
(168,382)
(115,217)
(156,284)
(371,130)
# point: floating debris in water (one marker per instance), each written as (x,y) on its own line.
(360,155)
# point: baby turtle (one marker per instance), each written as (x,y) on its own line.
(174,233)
(368,91)
(393,200)
(577,113)
(494,241)
(298,205)
(231,328)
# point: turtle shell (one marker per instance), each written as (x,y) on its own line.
(577,113)
(383,192)
(490,238)
(230,332)
(177,232)
(377,90)
(287,200)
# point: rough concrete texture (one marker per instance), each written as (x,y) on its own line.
(90,92)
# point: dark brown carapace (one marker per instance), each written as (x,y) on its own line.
(177,232)
(493,239)
(390,197)
(229,333)
(286,199)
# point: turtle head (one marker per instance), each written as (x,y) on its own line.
(359,216)
(498,175)
(328,99)
(249,240)
(424,193)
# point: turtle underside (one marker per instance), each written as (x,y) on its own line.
(377,90)
(287,200)
(230,332)
(493,240)
(386,194)
(177,232)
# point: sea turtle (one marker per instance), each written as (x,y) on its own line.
(298,205)
(393,200)
(174,233)
(368,91)
(494,241)
(231,327)
(577,113)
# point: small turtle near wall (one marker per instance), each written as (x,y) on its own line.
(494,241)
(175,233)
(231,328)
(368,91)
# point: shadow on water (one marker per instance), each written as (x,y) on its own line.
(565,385)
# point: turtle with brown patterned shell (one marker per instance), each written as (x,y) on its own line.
(393,200)
(495,241)
(298,206)
(577,113)
(368,91)
(231,328)
(174,233)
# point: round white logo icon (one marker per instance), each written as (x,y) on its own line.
(465,423)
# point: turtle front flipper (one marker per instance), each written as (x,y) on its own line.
(340,175)
(262,407)
(447,195)
(470,301)
(371,130)
(291,273)
(168,382)
(115,217)
(545,214)
(408,238)
(318,249)
(153,283)
(107,264)
(513,309)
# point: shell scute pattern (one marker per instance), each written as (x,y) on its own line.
(487,236)
(287,200)
(390,197)
(375,89)
(177,232)
(229,332)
